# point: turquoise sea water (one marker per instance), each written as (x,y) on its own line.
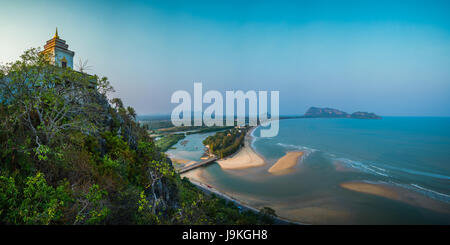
(409,153)
(190,148)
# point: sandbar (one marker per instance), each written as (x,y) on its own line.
(286,163)
(396,193)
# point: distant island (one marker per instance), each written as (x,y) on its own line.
(314,112)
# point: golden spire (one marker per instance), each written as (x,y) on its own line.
(56,33)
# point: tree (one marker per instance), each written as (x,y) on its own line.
(68,156)
(131,112)
(83,65)
(50,100)
(267,214)
(36,203)
(117,102)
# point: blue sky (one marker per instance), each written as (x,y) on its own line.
(388,57)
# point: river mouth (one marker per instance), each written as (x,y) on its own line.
(326,188)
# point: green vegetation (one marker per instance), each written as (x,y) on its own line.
(193,129)
(177,129)
(168,141)
(68,155)
(203,130)
(226,143)
(154,124)
(215,210)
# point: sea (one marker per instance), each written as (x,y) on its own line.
(408,155)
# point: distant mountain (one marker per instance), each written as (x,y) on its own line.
(335,113)
(364,115)
(325,112)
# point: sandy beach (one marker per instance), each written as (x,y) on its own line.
(246,157)
(396,193)
(285,164)
(183,162)
(374,189)
(179,160)
(325,203)
(196,175)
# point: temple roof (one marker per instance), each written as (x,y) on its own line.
(58,43)
(56,33)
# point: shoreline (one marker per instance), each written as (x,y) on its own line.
(245,157)
(285,164)
(200,182)
(211,190)
(395,193)
(205,182)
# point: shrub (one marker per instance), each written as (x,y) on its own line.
(36,203)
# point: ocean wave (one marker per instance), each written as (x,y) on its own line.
(383,169)
(390,173)
(367,168)
(425,191)
(297,147)
(416,188)
(417,172)
(439,195)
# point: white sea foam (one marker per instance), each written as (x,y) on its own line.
(438,195)
(381,169)
(371,168)
(297,147)
(417,188)
(306,150)
(425,191)
(422,173)
(367,168)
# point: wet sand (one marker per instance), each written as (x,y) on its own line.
(196,175)
(323,207)
(396,193)
(285,164)
(179,160)
(246,157)
(182,161)
(341,167)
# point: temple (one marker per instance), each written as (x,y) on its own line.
(58,52)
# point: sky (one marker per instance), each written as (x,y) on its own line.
(387,57)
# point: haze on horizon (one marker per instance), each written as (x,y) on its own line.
(377,56)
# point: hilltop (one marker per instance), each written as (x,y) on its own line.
(69,155)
